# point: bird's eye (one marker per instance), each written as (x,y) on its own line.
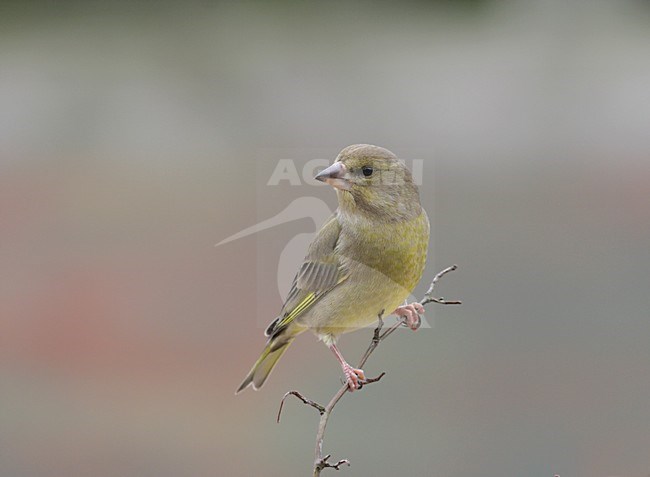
(367,171)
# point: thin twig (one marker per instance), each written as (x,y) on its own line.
(378,336)
(428,296)
(309,402)
(324,464)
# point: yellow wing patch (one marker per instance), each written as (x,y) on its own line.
(304,304)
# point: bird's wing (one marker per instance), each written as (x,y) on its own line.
(319,273)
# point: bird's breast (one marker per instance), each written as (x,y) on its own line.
(397,250)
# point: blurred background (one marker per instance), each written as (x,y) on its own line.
(135,136)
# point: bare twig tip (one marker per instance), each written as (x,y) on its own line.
(309,402)
(324,464)
(428,296)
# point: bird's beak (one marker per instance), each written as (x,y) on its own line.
(334,175)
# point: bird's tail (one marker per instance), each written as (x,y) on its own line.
(274,349)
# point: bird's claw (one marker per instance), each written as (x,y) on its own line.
(411,314)
(354,377)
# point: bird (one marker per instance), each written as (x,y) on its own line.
(363,263)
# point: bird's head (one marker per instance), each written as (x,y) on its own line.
(371,180)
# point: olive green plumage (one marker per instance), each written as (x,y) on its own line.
(366,259)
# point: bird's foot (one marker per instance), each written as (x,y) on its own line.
(353,376)
(411,313)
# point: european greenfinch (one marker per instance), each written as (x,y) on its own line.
(364,262)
